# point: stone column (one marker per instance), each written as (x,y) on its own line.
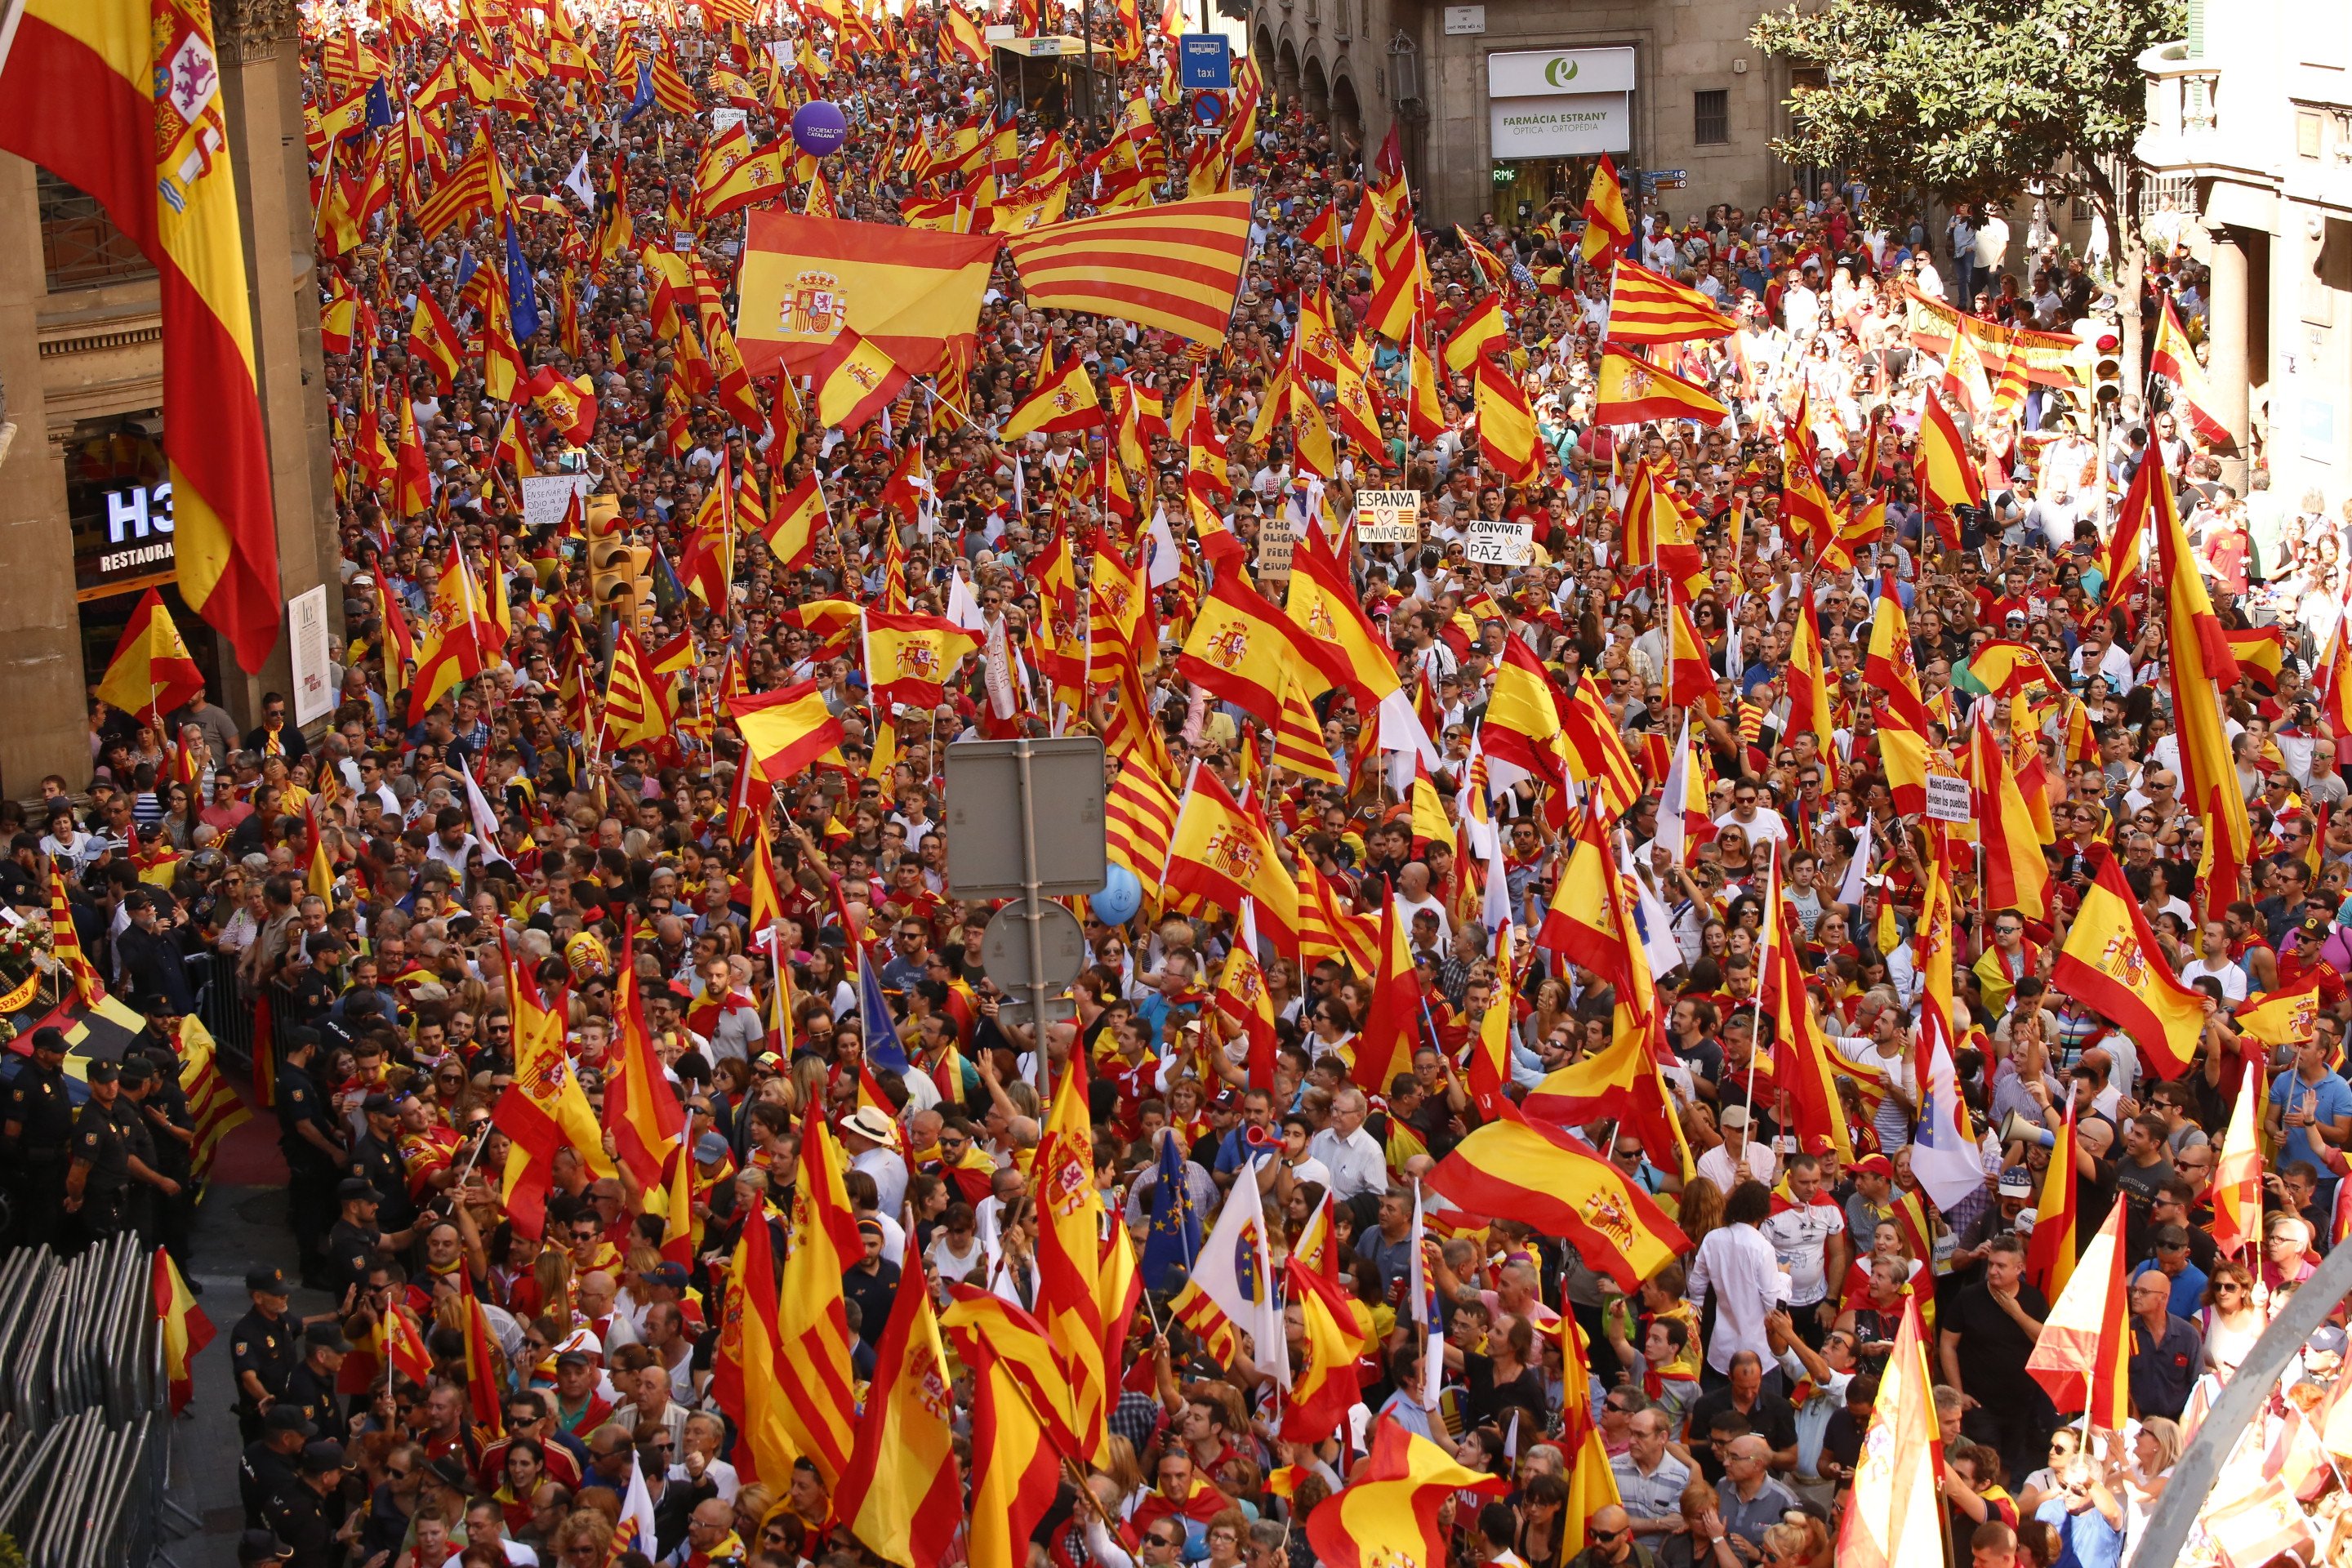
(262,87)
(2228,376)
(47,729)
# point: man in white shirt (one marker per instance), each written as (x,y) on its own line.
(1737,1155)
(1808,1236)
(1748,814)
(872,1149)
(1357,1163)
(1738,1267)
(2213,963)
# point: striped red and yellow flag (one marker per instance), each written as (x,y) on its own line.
(1177,266)
(78,95)
(1646,307)
(1138,818)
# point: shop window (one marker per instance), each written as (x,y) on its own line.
(1711,118)
(81,247)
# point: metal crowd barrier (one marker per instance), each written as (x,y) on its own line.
(226,1013)
(85,1416)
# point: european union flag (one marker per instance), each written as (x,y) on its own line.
(522,294)
(1175,1238)
(643,98)
(379,114)
(465,265)
(882,1048)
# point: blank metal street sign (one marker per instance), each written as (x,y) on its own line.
(985,816)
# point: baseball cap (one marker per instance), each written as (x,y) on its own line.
(320,1459)
(272,1280)
(1733,1116)
(2017,1181)
(1872,1165)
(673,1275)
(711,1148)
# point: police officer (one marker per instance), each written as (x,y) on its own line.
(309,1515)
(270,1464)
(35,1140)
(354,1240)
(103,1168)
(173,1127)
(376,1160)
(266,1346)
(314,1153)
(310,1387)
(136,1081)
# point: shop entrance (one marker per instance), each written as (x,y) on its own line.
(1526,188)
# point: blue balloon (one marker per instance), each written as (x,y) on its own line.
(820,127)
(1121,897)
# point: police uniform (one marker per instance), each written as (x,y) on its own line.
(261,1475)
(139,1141)
(349,1248)
(308,1522)
(379,1164)
(43,1114)
(311,1391)
(98,1142)
(269,1348)
(167,1103)
(311,1192)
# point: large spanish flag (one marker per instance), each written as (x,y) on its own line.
(786,730)
(1894,1514)
(916,293)
(1242,650)
(2111,961)
(902,1495)
(79,95)
(1513,1168)
(1632,390)
(1177,266)
(1390,1506)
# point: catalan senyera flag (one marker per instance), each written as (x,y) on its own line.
(1069,1256)
(641,1111)
(1177,266)
(1896,1513)
(636,711)
(786,730)
(1646,307)
(1388,1511)
(1631,390)
(1242,649)
(213,1105)
(187,1330)
(2111,962)
(2049,1251)
(743,1372)
(915,293)
(1514,1167)
(1020,1423)
(1139,817)
(2083,1358)
(123,99)
(151,671)
(2238,1172)
(811,1323)
(902,1493)
(1607,228)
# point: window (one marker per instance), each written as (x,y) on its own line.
(2307,133)
(1711,118)
(81,247)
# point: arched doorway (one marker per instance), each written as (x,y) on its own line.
(1317,89)
(1347,117)
(1286,74)
(1261,52)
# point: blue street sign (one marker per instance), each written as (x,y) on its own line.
(1206,63)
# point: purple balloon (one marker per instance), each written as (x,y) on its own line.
(820,127)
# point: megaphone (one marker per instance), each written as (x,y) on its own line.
(2018,1130)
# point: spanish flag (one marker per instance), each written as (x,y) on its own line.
(1893,1514)
(1068,1256)
(544,1108)
(2288,1017)
(1632,390)
(1506,426)
(2173,359)
(1607,229)
(1523,726)
(1619,1083)
(2016,877)
(2111,962)
(1588,922)
(1337,1329)
(187,1330)
(151,672)
(791,532)
(434,340)
(1391,1029)
(743,1371)
(2260,651)
(855,379)
(2050,1253)
(641,1111)
(786,730)
(79,96)
(1221,854)
(902,1493)
(2200,658)
(1388,1511)
(1468,344)
(1946,475)
(1021,1422)
(1062,402)
(2082,1356)
(2238,1170)
(1241,650)
(911,657)
(1516,1168)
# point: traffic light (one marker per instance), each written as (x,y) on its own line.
(618,579)
(2107,373)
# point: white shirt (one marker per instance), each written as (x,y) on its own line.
(1800,1238)
(2231,979)
(1716,1165)
(889,1174)
(1767,825)
(1739,1268)
(1357,1163)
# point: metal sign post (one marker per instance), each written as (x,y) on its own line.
(997,793)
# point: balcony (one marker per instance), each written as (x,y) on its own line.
(2270,119)
(2195,127)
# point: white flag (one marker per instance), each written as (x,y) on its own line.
(1235,1270)
(579,184)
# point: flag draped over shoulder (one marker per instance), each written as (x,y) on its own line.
(123,99)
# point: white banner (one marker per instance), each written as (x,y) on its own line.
(1564,125)
(1947,799)
(314,674)
(1500,544)
(1388,517)
(544,497)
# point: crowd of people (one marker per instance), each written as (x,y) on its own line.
(517,1372)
